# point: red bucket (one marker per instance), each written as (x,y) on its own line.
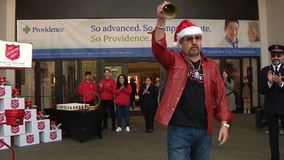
(53,120)
(40,113)
(2,79)
(16,92)
(14,117)
(28,103)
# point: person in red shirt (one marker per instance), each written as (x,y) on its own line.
(105,87)
(122,90)
(85,87)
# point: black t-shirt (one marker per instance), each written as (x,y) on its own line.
(191,110)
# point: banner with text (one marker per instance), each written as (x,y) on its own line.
(78,38)
(14,54)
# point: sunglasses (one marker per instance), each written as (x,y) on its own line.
(276,55)
(190,39)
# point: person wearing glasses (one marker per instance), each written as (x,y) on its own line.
(192,79)
(148,102)
(272,86)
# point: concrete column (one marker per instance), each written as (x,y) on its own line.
(7,28)
(10,32)
(265,56)
(11,20)
(271,22)
(3,17)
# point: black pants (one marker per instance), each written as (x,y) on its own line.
(108,105)
(273,129)
(132,104)
(91,103)
(149,114)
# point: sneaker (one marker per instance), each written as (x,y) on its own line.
(118,129)
(281,132)
(245,111)
(113,129)
(248,111)
(127,129)
(267,132)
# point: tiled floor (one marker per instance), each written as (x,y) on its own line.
(245,143)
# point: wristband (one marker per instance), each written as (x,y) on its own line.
(226,125)
(160,26)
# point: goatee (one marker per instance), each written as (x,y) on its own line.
(194,53)
(276,62)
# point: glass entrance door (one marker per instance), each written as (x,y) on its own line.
(233,65)
(254,82)
(250,69)
(116,69)
(28,83)
(47,94)
(70,81)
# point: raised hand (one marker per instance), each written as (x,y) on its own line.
(277,79)
(145,91)
(159,10)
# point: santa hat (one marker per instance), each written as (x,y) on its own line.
(185,28)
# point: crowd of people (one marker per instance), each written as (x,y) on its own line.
(122,94)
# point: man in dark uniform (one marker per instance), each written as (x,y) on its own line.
(271,85)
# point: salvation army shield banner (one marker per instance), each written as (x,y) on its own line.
(15,54)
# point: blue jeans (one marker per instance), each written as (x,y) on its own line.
(123,110)
(187,142)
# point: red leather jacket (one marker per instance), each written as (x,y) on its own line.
(106,93)
(177,69)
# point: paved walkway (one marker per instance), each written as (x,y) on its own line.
(245,143)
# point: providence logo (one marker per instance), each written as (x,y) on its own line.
(27,29)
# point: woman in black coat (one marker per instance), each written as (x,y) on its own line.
(148,102)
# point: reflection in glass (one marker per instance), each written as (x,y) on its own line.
(90,66)
(233,65)
(254,82)
(115,71)
(217,61)
(28,83)
(70,87)
(47,70)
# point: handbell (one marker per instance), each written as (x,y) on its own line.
(170,11)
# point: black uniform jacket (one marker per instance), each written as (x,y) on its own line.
(149,100)
(274,96)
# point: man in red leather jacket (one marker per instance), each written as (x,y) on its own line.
(192,80)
